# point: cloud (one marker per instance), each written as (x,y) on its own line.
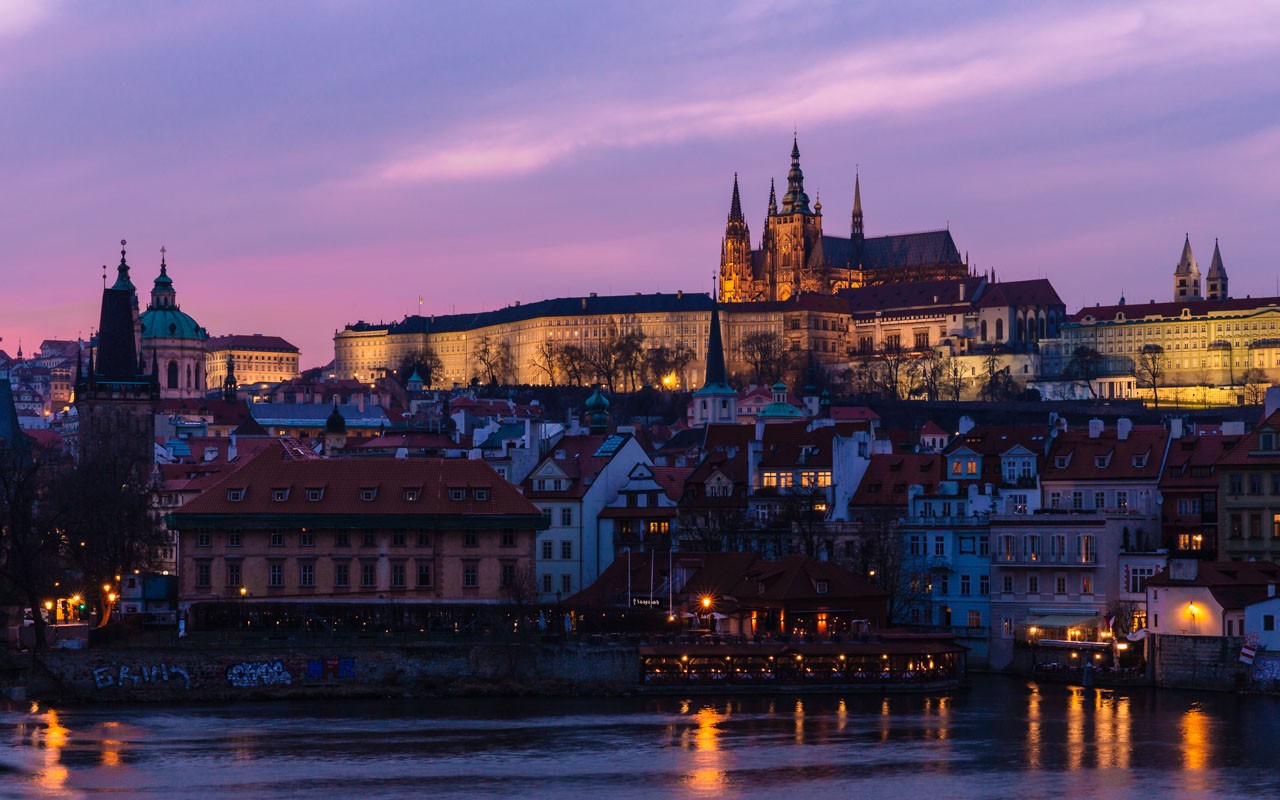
(1024,54)
(17,17)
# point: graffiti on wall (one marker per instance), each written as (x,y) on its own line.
(330,669)
(1266,668)
(249,674)
(126,676)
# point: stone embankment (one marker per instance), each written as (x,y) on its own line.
(292,670)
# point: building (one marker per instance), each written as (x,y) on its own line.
(116,395)
(1189,490)
(572,486)
(292,526)
(1248,477)
(255,359)
(1193,344)
(644,515)
(1210,598)
(173,340)
(795,255)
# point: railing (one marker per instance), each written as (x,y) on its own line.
(934,520)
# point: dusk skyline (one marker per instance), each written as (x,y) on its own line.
(306,168)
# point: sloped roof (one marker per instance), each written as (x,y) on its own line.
(256,341)
(888,477)
(577,457)
(1193,459)
(1032,292)
(1196,308)
(1241,455)
(1083,454)
(342,481)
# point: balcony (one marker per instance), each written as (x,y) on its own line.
(938,521)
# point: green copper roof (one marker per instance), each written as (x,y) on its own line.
(779,411)
(170,323)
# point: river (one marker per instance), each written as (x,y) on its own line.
(1001,738)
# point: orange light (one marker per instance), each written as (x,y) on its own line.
(706,602)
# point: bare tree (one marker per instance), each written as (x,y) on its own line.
(998,385)
(1255,385)
(1085,366)
(523,588)
(766,353)
(31,543)
(631,357)
(572,362)
(425,361)
(493,360)
(1149,369)
(894,367)
(546,359)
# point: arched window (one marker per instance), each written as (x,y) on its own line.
(1042,328)
(983,330)
(999,330)
(188,376)
(173,375)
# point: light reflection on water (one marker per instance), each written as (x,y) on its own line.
(1000,738)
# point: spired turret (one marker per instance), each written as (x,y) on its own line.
(716,402)
(735,251)
(1186,276)
(1216,284)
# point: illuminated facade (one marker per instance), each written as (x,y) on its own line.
(255,359)
(796,256)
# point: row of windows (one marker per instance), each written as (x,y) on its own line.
(1236,529)
(366,573)
(1256,481)
(566,550)
(943,586)
(367,494)
(1060,584)
(344,539)
(566,584)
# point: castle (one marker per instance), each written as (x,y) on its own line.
(796,256)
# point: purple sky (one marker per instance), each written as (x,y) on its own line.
(311,164)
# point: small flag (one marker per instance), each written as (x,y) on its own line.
(1111,621)
(1247,652)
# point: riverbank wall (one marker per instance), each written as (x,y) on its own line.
(1208,663)
(296,671)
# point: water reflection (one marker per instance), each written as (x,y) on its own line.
(1002,738)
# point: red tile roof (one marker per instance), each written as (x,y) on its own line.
(343,479)
(576,457)
(249,342)
(1146,442)
(888,476)
(1240,454)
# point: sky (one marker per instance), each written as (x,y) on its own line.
(308,165)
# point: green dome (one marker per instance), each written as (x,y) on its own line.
(170,323)
(597,401)
(779,411)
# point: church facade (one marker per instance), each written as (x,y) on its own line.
(797,256)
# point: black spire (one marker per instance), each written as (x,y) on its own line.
(229,382)
(735,206)
(118,357)
(773,199)
(716,372)
(857,207)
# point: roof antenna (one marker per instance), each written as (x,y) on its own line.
(104,276)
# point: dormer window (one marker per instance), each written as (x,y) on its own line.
(1061,462)
(1100,461)
(822,587)
(235,495)
(279,495)
(315,494)
(411,495)
(1139,462)
(1267,441)
(457,495)
(481,495)
(368,493)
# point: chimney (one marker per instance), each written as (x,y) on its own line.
(1123,426)
(1095,428)
(1271,590)
(1175,428)
(679,294)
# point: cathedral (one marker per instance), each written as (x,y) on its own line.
(795,255)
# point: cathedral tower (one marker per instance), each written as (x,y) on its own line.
(793,255)
(173,340)
(1186,276)
(1216,284)
(735,251)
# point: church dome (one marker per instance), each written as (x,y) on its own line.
(170,323)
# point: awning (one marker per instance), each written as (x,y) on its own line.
(1066,621)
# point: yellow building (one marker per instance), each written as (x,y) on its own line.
(255,359)
(1218,341)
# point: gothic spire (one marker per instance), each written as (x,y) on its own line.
(773,199)
(735,206)
(1187,264)
(857,207)
(1216,270)
(795,200)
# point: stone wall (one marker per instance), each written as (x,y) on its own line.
(322,670)
(1197,662)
